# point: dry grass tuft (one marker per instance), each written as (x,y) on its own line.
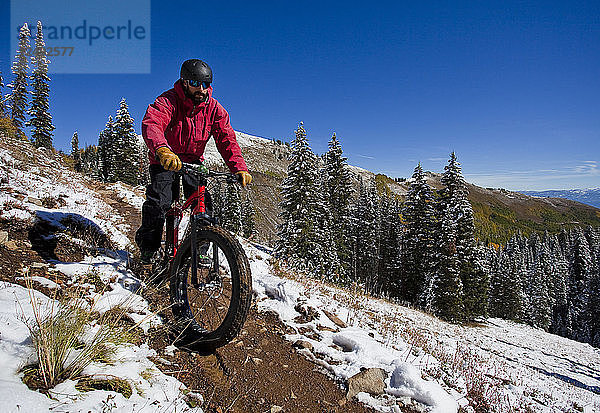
(67,338)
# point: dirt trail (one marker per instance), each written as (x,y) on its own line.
(258,372)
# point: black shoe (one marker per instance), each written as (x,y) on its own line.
(146,257)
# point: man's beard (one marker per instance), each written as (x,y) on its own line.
(197,97)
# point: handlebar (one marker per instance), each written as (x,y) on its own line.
(201,171)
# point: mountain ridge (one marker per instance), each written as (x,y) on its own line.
(499,213)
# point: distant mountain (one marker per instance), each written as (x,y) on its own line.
(585,196)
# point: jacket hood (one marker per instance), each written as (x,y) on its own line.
(188,103)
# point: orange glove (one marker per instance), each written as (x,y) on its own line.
(168,159)
(244,178)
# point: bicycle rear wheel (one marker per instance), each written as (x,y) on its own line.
(211,310)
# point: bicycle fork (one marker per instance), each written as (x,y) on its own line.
(214,262)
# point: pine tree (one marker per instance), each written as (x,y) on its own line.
(327,264)
(339,191)
(2,104)
(89,162)
(18,97)
(107,149)
(143,162)
(539,295)
(232,209)
(389,246)
(418,242)
(593,237)
(447,300)
(248,214)
(40,118)
(75,154)
(366,237)
(506,299)
(561,323)
(455,204)
(299,191)
(579,282)
(217,196)
(126,160)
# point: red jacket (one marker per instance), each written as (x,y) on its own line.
(173,121)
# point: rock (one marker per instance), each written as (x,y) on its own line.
(368,381)
(276,409)
(34,201)
(303,344)
(335,319)
(325,328)
(308,313)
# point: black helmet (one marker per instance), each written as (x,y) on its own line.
(195,69)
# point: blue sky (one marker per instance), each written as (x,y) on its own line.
(512,87)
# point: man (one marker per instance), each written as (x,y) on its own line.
(176,128)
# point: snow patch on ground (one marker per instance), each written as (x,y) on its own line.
(548,373)
(152,390)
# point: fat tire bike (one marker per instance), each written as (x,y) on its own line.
(208,272)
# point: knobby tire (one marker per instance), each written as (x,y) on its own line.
(191,333)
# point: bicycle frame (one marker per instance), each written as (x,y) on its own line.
(199,216)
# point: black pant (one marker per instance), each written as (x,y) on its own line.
(163,189)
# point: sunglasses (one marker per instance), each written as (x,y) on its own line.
(198,83)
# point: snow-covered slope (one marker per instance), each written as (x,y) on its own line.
(428,365)
(441,365)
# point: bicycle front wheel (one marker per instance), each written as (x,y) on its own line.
(211,308)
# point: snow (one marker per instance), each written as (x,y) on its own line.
(151,392)
(127,195)
(406,381)
(548,373)
(425,359)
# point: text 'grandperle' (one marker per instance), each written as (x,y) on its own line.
(82,32)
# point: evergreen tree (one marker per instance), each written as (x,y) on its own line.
(248,214)
(447,300)
(561,323)
(144,163)
(539,295)
(456,206)
(126,160)
(89,162)
(75,154)
(217,196)
(366,237)
(594,309)
(389,246)
(107,148)
(40,118)
(2,104)
(296,233)
(232,209)
(418,242)
(579,283)
(338,187)
(593,237)
(327,261)
(18,98)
